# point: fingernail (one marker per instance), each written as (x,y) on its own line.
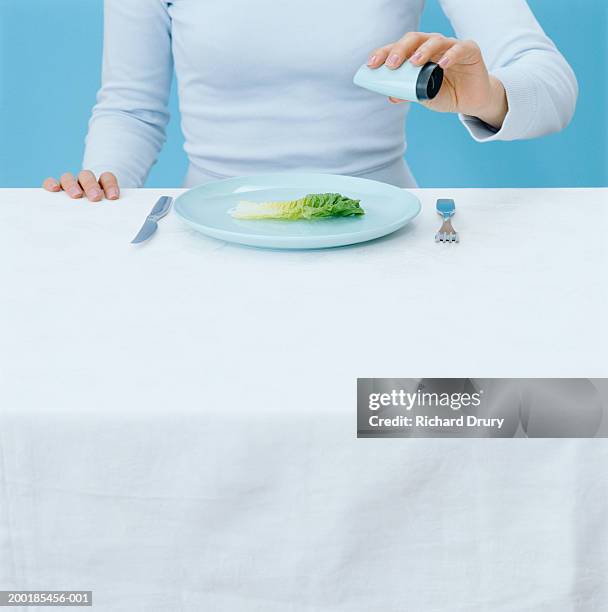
(95,194)
(74,190)
(444,61)
(112,193)
(416,58)
(372,60)
(392,60)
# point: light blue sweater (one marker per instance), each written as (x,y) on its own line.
(266,86)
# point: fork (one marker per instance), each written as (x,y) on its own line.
(446,208)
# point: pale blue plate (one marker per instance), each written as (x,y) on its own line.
(206,209)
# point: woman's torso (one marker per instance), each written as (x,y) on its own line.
(267,86)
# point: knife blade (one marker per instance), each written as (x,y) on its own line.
(161,208)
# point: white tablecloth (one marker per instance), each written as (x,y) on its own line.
(177,420)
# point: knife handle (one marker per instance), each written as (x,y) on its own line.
(161,208)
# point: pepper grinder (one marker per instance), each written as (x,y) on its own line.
(408,82)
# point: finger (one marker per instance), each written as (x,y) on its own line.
(395,100)
(71,186)
(378,56)
(404,48)
(110,185)
(463,52)
(432,49)
(50,184)
(90,185)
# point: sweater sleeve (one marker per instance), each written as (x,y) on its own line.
(541,87)
(128,126)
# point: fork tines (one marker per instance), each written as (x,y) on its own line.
(446,233)
(447,237)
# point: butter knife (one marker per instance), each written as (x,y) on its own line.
(161,208)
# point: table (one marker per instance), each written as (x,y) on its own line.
(177,419)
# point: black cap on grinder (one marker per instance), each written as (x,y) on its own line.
(429,81)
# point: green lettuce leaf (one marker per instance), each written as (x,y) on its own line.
(312,206)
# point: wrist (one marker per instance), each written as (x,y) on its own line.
(496,110)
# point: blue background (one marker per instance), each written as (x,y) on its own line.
(50,69)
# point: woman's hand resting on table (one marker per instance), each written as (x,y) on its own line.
(467,88)
(86,185)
